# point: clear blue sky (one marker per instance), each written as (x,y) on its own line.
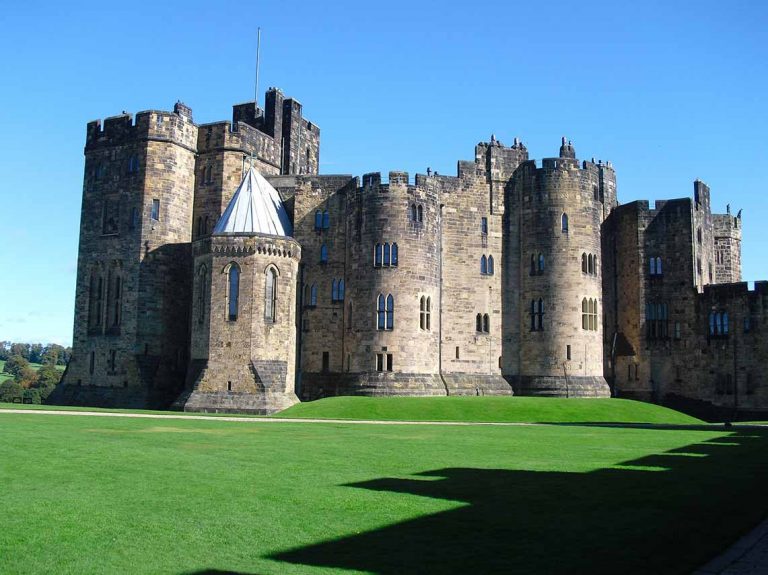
(667,91)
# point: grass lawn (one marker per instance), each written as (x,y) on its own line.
(114,495)
(512,409)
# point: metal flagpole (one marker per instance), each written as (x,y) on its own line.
(258,54)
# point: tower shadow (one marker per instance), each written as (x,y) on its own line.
(664,513)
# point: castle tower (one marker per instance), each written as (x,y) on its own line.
(727,237)
(131,327)
(243,348)
(553,253)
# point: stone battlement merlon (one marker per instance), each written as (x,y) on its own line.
(736,289)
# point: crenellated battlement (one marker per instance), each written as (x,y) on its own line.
(176,126)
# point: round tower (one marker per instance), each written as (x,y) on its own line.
(561,207)
(393,297)
(243,350)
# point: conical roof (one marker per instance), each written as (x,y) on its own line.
(256,208)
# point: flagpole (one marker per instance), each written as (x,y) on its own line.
(258,54)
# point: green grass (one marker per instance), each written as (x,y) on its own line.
(35,366)
(115,495)
(487,409)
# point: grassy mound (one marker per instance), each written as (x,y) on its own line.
(489,409)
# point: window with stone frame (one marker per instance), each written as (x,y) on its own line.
(718,324)
(656,321)
(424,312)
(233,291)
(270,295)
(95,300)
(537,315)
(202,284)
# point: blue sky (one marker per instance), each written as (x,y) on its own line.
(667,91)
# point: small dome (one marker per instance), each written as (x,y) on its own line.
(256,208)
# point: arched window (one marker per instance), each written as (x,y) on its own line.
(202,282)
(413,212)
(484,226)
(584,267)
(387,257)
(270,295)
(564,223)
(652,266)
(479,323)
(486,323)
(590,265)
(324,254)
(341,290)
(724,322)
(594,260)
(490,265)
(483,265)
(658,266)
(541,263)
(326,220)
(133,164)
(421,213)
(334,290)
(233,291)
(533,265)
(313,295)
(390,312)
(712,323)
(533,315)
(381,312)
(318,220)
(394,254)
(377,255)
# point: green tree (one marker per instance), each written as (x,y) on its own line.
(21,349)
(15,364)
(10,390)
(47,376)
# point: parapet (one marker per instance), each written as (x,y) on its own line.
(122,129)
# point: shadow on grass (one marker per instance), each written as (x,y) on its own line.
(664,513)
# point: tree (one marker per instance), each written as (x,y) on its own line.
(36,353)
(25,377)
(15,364)
(10,390)
(47,376)
(21,349)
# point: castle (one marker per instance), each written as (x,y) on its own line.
(218,271)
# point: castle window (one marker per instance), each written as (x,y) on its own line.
(116,303)
(413,212)
(387,258)
(337,286)
(537,315)
(677,330)
(533,265)
(112,360)
(306,160)
(656,321)
(595,191)
(318,220)
(584,268)
(710,273)
(484,226)
(95,300)
(381,312)
(133,164)
(568,352)
(421,213)
(379,362)
(199,226)
(155,213)
(326,220)
(479,323)
(270,295)
(457,353)
(201,289)
(589,314)
(92,362)
(377,255)
(486,323)
(134,218)
(394,254)
(208,175)
(389,362)
(349,315)
(326,361)
(564,223)
(424,312)
(698,235)
(385,255)
(484,265)
(385,312)
(324,254)
(313,296)
(490,265)
(584,314)
(341,290)
(233,291)
(541,263)
(590,265)
(654,265)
